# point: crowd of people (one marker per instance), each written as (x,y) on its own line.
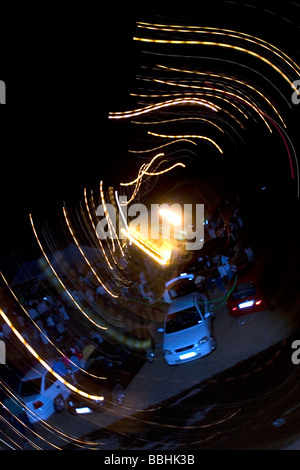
(48,324)
(226,251)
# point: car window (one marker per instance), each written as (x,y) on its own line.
(201,307)
(243,290)
(182,320)
(49,380)
(181,288)
(30,387)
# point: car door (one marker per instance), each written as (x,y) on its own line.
(205,313)
(53,388)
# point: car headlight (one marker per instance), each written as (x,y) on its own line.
(166,352)
(203,340)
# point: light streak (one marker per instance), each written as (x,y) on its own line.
(59,280)
(44,363)
(231,34)
(222,45)
(161,105)
(220,91)
(85,258)
(95,231)
(160,257)
(51,429)
(167,121)
(145,172)
(224,77)
(163,145)
(189,136)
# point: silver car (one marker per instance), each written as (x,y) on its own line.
(188,329)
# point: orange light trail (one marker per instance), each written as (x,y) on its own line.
(59,280)
(164,104)
(45,364)
(85,258)
(191,136)
(223,45)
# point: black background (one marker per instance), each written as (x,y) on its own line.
(65,69)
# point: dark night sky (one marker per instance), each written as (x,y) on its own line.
(62,80)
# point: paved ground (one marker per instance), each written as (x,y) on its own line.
(235,342)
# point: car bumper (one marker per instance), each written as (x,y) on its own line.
(235,311)
(191,355)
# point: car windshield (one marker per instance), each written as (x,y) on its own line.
(181,288)
(182,320)
(245,289)
(30,387)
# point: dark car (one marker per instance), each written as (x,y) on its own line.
(247,295)
(109,374)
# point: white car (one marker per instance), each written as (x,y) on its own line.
(188,329)
(42,393)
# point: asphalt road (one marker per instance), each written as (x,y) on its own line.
(220,401)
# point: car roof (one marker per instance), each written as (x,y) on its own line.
(185,302)
(34,373)
(179,278)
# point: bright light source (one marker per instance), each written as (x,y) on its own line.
(258,302)
(187,355)
(175,219)
(249,303)
(83,410)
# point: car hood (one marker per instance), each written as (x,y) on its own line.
(187,337)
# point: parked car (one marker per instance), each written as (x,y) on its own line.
(42,394)
(108,375)
(188,329)
(140,342)
(247,295)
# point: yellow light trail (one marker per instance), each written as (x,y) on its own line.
(220,91)
(59,280)
(45,424)
(214,96)
(163,145)
(84,257)
(95,231)
(167,121)
(110,224)
(45,364)
(145,172)
(164,104)
(190,136)
(224,77)
(161,258)
(223,45)
(229,33)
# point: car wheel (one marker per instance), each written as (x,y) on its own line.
(150,356)
(59,404)
(118,395)
(214,344)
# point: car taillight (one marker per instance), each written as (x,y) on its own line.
(258,302)
(37,404)
(234,308)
